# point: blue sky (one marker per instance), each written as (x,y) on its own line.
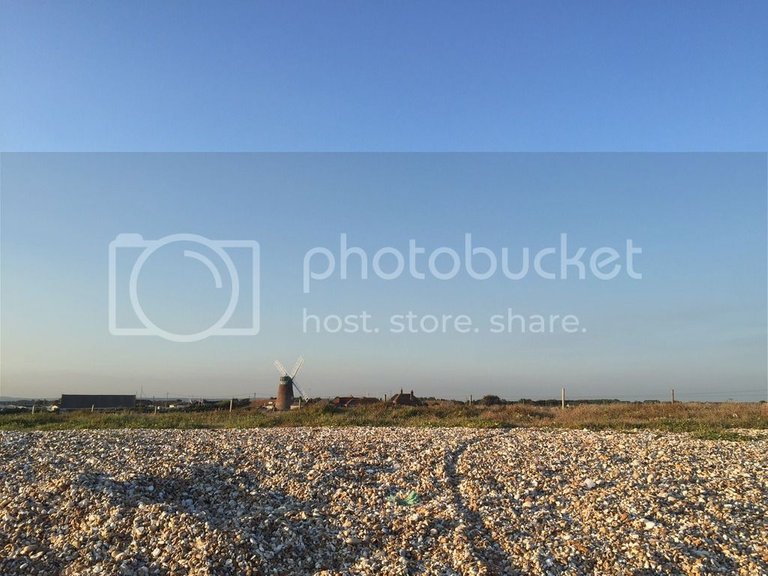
(399,76)
(388,77)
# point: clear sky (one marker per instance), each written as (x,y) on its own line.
(386,77)
(399,76)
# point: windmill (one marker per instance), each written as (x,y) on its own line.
(287,382)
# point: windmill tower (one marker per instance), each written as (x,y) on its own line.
(287,382)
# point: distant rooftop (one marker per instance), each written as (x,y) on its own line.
(97,401)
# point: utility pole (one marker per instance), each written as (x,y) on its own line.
(673,395)
(562,398)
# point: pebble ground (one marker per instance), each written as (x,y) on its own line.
(381,501)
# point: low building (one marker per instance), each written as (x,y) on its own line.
(351,401)
(403,399)
(97,401)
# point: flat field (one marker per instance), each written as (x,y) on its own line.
(703,420)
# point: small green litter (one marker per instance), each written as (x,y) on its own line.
(408,500)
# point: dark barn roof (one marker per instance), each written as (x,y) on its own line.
(406,399)
(350,401)
(85,401)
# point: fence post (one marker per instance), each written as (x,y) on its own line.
(562,398)
(673,395)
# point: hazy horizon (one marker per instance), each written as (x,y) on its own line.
(653,266)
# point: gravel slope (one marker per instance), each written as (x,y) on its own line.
(335,501)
